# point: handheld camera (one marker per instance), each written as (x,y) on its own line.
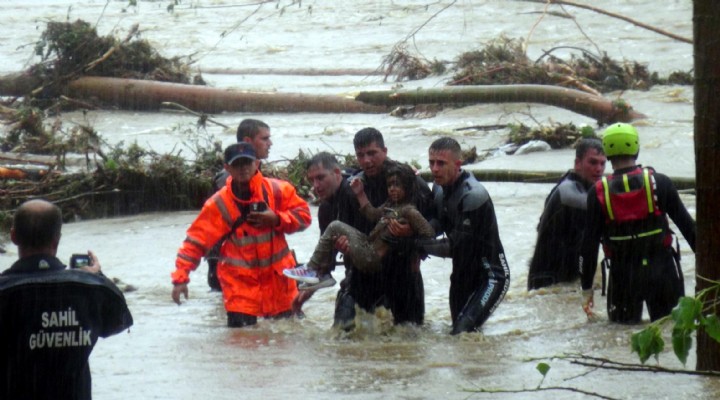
(79,260)
(259,206)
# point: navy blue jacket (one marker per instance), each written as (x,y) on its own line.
(50,320)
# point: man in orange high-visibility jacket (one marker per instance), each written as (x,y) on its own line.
(254,213)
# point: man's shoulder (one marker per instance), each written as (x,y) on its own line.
(572,191)
(656,174)
(474,194)
(278,183)
(38,279)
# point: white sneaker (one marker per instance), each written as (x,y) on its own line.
(325,281)
(302,274)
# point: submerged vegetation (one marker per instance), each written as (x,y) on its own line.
(71,49)
(558,136)
(504,61)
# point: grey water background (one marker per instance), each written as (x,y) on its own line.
(187,352)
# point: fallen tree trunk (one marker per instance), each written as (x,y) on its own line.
(506,175)
(27,158)
(149,95)
(293,71)
(18,84)
(599,108)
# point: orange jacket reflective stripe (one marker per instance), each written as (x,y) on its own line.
(251,259)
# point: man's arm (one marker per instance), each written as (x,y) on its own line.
(669,201)
(293,213)
(591,241)
(550,211)
(209,226)
(419,225)
(587,263)
(486,236)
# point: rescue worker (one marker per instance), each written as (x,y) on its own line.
(253,213)
(398,286)
(465,213)
(331,187)
(51,317)
(627,213)
(257,133)
(562,222)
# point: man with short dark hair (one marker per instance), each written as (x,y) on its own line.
(326,178)
(563,220)
(52,317)
(465,213)
(257,133)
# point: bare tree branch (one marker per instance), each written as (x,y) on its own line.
(611,14)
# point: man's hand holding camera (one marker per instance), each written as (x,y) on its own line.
(87,263)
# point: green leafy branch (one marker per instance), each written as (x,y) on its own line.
(543,369)
(594,363)
(688,316)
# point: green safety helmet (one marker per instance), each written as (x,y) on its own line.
(620,140)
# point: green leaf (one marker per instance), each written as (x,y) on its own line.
(647,342)
(687,313)
(543,368)
(682,343)
(711,323)
(111,165)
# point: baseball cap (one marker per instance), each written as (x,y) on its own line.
(239,150)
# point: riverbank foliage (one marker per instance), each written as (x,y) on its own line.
(91,179)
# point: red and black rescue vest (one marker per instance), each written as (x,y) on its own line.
(633,220)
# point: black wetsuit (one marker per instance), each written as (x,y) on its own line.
(480,276)
(644,266)
(51,319)
(338,207)
(398,286)
(560,231)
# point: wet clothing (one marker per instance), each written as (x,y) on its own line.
(398,286)
(367,251)
(251,259)
(213,255)
(560,232)
(52,318)
(480,275)
(627,213)
(338,207)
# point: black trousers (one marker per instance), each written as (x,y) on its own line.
(656,280)
(398,286)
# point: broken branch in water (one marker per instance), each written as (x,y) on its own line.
(202,116)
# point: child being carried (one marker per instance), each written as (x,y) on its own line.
(366,251)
